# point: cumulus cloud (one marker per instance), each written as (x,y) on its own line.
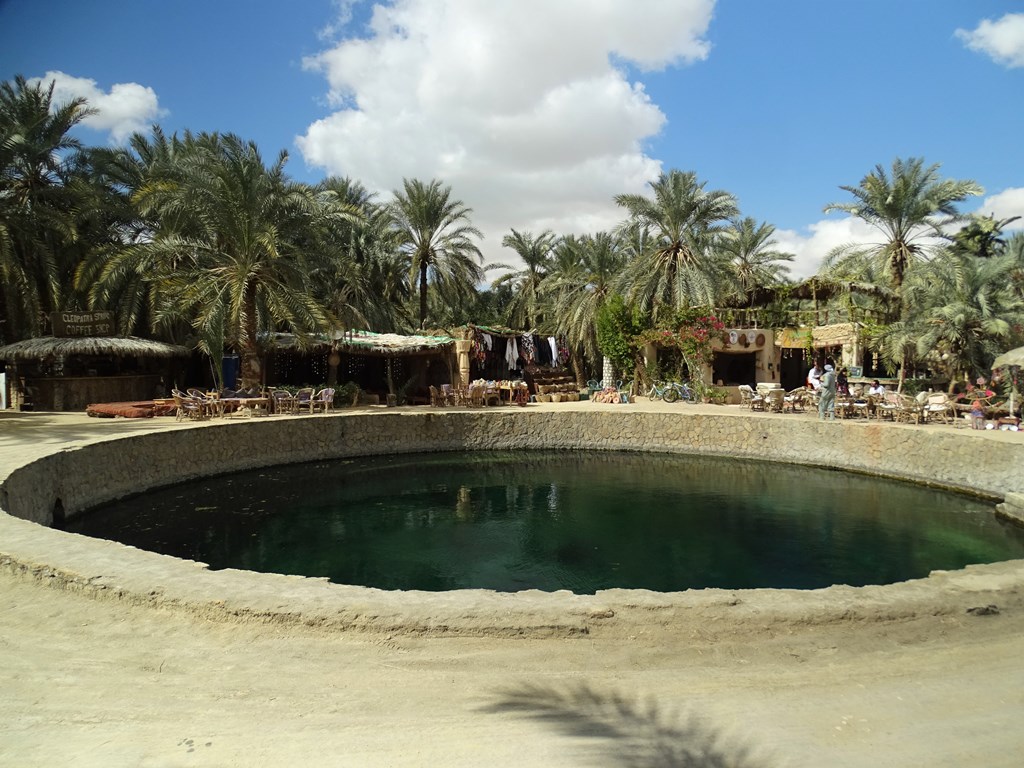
(127,108)
(1002,40)
(815,242)
(1005,205)
(525,107)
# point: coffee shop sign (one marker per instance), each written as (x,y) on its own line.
(96,323)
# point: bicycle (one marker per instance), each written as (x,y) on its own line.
(671,391)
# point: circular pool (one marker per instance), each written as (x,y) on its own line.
(580,521)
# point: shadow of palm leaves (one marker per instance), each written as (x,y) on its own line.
(635,734)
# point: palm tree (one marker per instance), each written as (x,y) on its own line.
(967,312)
(753,261)
(680,265)
(437,238)
(524,310)
(909,206)
(360,275)
(40,202)
(1014,252)
(119,277)
(230,249)
(578,284)
(982,235)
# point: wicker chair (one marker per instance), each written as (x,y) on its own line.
(794,400)
(775,400)
(938,406)
(304,400)
(436,398)
(283,400)
(322,401)
(187,407)
(909,409)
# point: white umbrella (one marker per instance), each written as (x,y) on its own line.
(1014,360)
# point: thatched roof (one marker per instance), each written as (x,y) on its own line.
(368,343)
(48,347)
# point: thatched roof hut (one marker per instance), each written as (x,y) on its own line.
(69,373)
(50,347)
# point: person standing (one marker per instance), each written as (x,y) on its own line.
(827,401)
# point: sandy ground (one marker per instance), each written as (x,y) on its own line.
(90,682)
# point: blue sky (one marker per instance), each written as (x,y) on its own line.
(538,112)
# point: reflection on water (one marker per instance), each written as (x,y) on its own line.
(577,521)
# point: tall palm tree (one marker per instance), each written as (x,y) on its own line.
(680,265)
(360,275)
(40,203)
(752,259)
(909,206)
(119,277)
(525,310)
(578,284)
(230,248)
(437,238)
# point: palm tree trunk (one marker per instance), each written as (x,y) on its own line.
(250,365)
(423,295)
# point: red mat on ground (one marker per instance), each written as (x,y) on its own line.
(140,409)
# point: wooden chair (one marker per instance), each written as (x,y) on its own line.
(436,400)
(448,394)
(304,400)
(187,407)
(938,406)
(283,401)
(909,409)
(794,400)
(322,401)
(775,400)
(476,397)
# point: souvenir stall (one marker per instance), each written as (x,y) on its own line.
(497,355)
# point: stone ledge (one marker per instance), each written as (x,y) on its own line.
(83,476)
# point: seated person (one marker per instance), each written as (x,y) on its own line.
(814,378)
(843,383)
(876,388)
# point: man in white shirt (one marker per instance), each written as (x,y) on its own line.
(814,377)
(876,388)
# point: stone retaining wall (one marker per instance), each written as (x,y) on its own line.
(72,481)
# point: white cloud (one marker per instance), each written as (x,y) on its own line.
(817,240)
(522,106)
(1005,205)
(1002,40)
(127,108)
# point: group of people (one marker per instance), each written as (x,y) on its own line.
(828,383)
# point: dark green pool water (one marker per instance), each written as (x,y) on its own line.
(576,521)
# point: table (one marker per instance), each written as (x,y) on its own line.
(253,405)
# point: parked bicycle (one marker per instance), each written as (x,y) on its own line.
(671,391)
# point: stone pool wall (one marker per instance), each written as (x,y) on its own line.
(71,481)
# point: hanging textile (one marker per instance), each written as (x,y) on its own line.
(526,350)
(511,353)
(554,349)
(542,349)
